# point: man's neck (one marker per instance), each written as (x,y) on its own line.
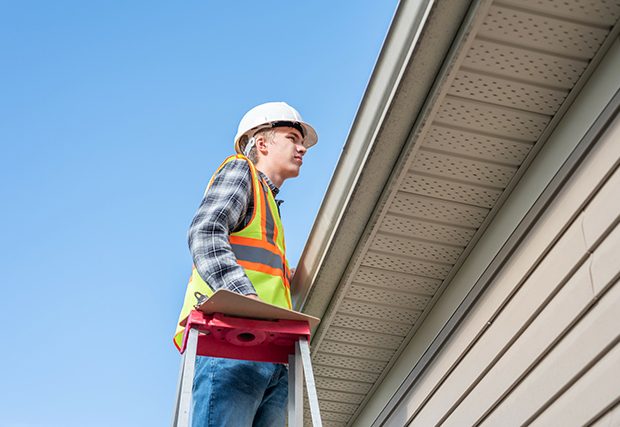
(271,174)
(275,190)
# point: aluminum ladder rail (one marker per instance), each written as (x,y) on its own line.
(278,341)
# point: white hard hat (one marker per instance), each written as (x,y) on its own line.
(272,114)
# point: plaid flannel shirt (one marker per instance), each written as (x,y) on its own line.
(226,207)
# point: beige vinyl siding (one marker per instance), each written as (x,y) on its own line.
(610,419)
(541,344)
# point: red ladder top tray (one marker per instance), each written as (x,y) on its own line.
(233,326)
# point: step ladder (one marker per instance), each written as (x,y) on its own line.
(276,341)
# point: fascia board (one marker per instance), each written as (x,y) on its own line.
(405,28)
(413,53)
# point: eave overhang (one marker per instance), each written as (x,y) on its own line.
(463,96)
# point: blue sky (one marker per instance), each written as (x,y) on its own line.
(113,116)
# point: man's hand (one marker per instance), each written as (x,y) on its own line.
(253,296)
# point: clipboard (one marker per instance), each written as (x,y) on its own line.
(234,304)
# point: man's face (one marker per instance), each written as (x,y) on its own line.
(286,151)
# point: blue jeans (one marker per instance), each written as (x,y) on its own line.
(239,393)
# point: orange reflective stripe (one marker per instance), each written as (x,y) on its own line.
(261,268)
(255,190)
(263,220)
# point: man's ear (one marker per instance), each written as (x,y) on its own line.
(261,144)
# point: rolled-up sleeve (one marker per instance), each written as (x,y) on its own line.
(223,209)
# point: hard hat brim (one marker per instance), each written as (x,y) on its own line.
(310,135)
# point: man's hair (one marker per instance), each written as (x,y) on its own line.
(268,135)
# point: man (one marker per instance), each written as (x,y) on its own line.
(237,243)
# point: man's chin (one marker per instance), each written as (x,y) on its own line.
(294,173)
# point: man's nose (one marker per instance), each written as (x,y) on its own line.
(301,149)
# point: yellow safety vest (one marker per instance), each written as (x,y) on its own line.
(259,248)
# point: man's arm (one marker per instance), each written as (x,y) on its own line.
(223,209)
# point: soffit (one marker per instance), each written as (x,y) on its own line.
(511,73)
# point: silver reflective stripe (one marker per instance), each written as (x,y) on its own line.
(270,223)
(259,255)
